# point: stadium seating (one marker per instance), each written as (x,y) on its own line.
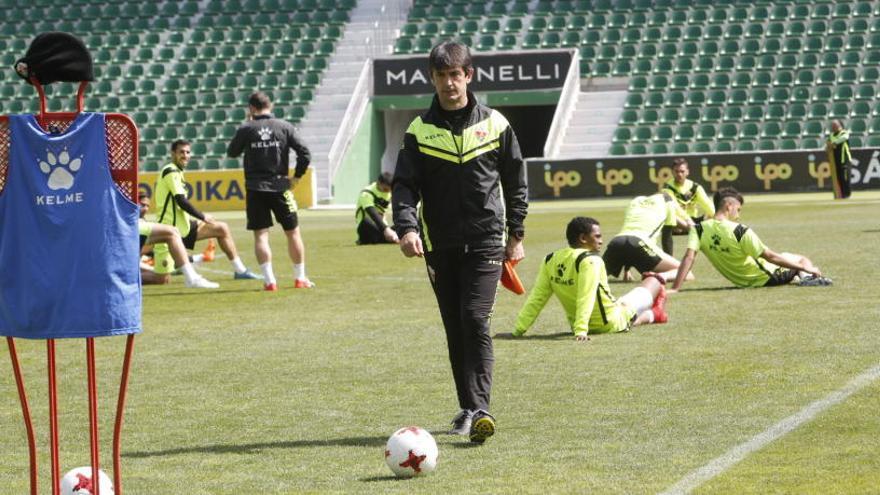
(751,75)
(180,68)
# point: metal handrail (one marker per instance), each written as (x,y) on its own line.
(350,121)
(564,108)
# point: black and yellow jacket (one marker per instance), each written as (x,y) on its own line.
(470,180)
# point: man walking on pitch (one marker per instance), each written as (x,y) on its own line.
(266,143)
(462,162)
(739,255)
(576,276)
(174,209)
(837,148)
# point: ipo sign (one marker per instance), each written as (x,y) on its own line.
(748,172)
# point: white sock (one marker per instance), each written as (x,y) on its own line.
(238,265)
(299,271)
(650,316)
(268,274)
(189,273)
(198,258)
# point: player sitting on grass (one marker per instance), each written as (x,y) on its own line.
(155,233)
(193,225)
(739,255)
(636,243)
(576,275)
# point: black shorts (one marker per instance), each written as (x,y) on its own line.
(143,241)
(627,250)
(262,204)
(369,233)
(781,276)
(190,240)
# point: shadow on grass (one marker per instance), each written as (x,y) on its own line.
(545,336)
(201,292)
(713,289)
(875,231)
(373,479)
(257,447)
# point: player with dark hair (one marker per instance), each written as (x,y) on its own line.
(576,276)
(156,233)
(690,196)
(636,243)
(739,255)
(460,199)
(266,143)
(370,213)
(175,209)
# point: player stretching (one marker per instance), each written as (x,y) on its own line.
(636,243)
(576,276)
(739,255)
(174,209)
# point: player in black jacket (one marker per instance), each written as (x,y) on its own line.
(266,143)
(461,160)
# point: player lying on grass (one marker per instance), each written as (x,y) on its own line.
(739,255)
(636,243)
(576,275)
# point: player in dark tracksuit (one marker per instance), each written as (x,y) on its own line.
(459,200)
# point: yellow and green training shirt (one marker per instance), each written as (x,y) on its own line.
(646,215)
(170,183)
(734,250)
(578,279)
(691,197)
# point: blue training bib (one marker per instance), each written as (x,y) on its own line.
(68,237)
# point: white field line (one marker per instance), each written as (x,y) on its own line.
(780,429)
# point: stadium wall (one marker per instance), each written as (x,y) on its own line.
(795,171)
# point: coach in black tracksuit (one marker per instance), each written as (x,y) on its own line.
(461,160)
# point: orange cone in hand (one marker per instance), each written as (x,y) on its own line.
(509,279)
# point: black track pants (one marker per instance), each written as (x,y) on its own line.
(465,283)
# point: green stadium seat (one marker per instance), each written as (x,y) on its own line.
(745,146)
(818,111)
(670,116)
(711,115)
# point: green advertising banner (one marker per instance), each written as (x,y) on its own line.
(748,172)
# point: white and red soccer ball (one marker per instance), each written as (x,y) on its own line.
(411,451)
(79,481)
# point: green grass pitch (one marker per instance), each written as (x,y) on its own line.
(241,391)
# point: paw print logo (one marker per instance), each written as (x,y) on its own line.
(265,133)
(560,270)
(716,239)
(59,169)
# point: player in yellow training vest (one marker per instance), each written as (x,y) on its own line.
(690,196)
(576,276)
(739,255)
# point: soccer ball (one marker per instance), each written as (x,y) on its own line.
(411,451)
(79,481)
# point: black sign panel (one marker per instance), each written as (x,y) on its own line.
(530,70)
(747,172)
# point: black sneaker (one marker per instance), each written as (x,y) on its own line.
(814,281)
(461,423)
(482,426)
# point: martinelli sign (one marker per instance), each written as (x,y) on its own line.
(504,71)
